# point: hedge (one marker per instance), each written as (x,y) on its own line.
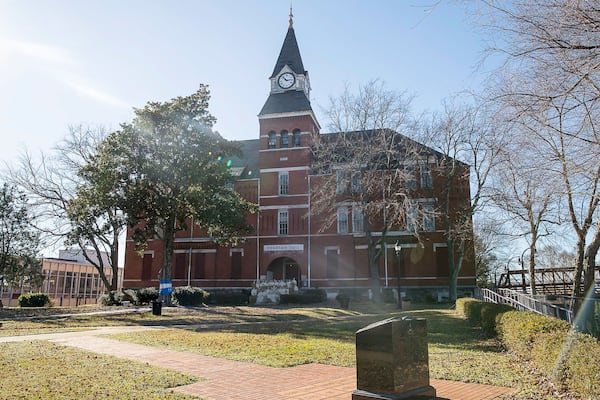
(189,296)
(480,313)
(304,296)
(519,329)
(569,358)
(229,297)
(147,295)
(34,300)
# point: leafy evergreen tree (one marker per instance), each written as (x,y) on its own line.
(19,243)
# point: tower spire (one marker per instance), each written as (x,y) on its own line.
(291,17)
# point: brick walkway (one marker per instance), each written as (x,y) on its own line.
(226,380)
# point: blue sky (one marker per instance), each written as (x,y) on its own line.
(67,62)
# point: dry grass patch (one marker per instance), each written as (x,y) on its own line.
(42,370)
(170,316)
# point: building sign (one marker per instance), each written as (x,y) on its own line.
(284,247)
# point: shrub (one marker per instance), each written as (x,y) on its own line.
(581,364)
(34,300)
(489,313)
(343,298)
(319,295)
(518,329)
(387,295)
(111,298)
(189,296)
(128,295)
(229,297)
(461,305)
(471,309)
(303,297)
(147,295)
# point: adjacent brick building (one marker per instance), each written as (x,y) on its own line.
(277,174)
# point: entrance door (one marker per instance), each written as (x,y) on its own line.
(284,268)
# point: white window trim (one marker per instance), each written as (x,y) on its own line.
(279,213)
(330,248)
(287,185)
(237,250)
(342,211)
(356,209)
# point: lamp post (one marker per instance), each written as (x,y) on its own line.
(398,251)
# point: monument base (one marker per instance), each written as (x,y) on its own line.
(422,393)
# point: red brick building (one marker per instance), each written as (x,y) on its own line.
(277,174)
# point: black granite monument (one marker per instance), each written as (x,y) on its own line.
(392,361)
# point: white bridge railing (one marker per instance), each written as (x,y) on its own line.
(521,301)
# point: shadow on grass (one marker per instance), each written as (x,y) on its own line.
(445,329)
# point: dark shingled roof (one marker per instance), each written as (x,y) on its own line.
(247,166)
(293,100)
(289,55)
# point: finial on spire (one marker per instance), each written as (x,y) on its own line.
(291,16)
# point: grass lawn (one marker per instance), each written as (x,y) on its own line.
(456,350)
(36,321)
(42,370)
(290,336)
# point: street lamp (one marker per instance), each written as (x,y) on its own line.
(398,251)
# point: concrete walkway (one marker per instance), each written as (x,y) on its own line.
(227,380)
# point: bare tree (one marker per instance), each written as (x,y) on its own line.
(469,144)
(489,243)
(526,194)
(51,181)
(549,83)
(368,164)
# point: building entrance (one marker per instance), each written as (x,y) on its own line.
(284,268)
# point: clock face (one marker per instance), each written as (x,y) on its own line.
(286,80)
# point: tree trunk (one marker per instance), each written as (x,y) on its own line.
(532,266)
(590,262)
(579,267)
(373,267)
(168,248)
(452,272)
(114,259)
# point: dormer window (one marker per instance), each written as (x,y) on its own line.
(284,139)
(272,140)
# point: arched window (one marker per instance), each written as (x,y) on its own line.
(296,137)
(285,141)
(272,140)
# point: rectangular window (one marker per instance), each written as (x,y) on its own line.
(284,183)
(147,267)
(410,178)
(180,266)
(355,182)
(411,218)
(236,265)
(428,218)
(426,180)
(332,264)
(357,220)
(199,270)
(341,183)
(283,222)
(342,220)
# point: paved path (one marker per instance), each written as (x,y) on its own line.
(227,380)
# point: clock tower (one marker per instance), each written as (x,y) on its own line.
(287,125)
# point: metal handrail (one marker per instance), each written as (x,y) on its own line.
(524,302)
